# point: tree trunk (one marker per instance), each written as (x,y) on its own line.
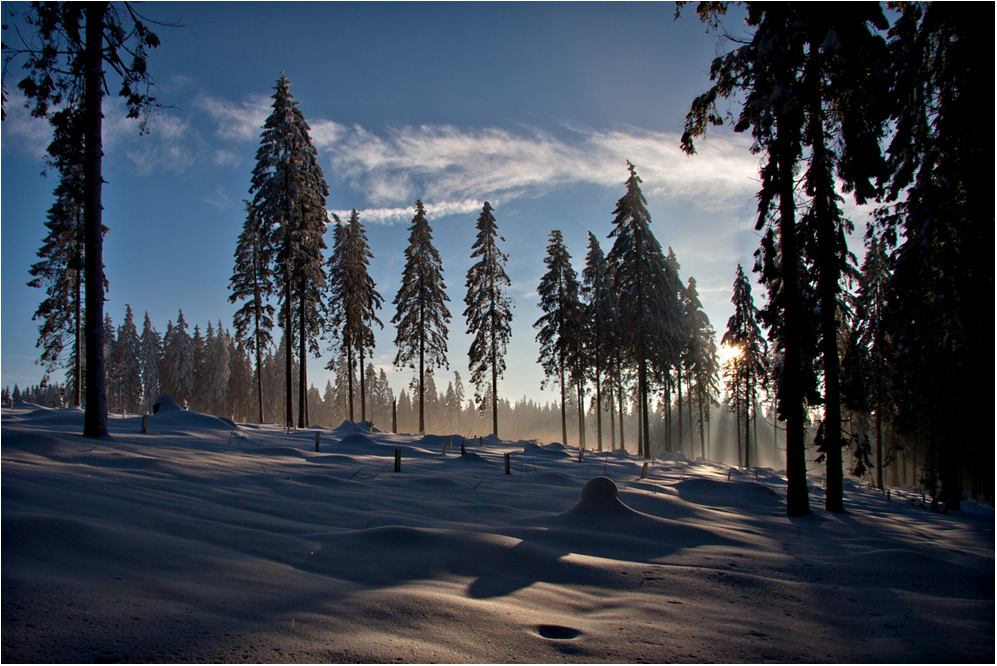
(363,389)
(422,370)
(581,416)
(349,375)
(829,275)
(302,359)
(879,450)
(598,408)
(619,405)
(564,418)
(95,416)
(78,328)
(747,419)
(288,352)
(797,499)
(645,424)
(678,373)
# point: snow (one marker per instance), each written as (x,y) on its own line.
(201,540)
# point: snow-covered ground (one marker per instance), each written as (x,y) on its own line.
(204,541)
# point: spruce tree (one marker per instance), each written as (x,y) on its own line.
(151,352)
(939,220)
(252,282)
(129,351)
(704,364)
(601,315)
(559,329)
(289,193)
(112,360)
(422,314)
(354,301)
(71,44)
(178,362)
(875,339)
(748,366)
(488,313)
(650,315)
(60,273)
(766,70)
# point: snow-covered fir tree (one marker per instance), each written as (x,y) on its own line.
(488,312)
(650,313)
(747,365)
(178,362)
(704,363)
(59,272)
(601,314)
(128,352)
(422,314)
(150,357)
(289,193)
(560,330)
(252,282)
(353,300)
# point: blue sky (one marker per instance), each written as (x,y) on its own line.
(533,107)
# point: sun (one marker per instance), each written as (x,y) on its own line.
(729,353)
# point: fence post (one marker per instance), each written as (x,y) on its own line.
(398,460)
(316,442)
(643,471)
(145,423)
(507,464)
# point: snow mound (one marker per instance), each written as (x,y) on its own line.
(737,494)
(555,446)
(165,403)
(436,442)
(600,502)
(356,440)
(170,418)
(348,426)
(532,448)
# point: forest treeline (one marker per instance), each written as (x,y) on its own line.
(861,363)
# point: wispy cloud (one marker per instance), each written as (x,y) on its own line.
(446,164)
(454,169)
(237,121)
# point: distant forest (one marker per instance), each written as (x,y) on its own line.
(871,367)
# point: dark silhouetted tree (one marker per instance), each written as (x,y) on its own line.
(488,312)
(422,314)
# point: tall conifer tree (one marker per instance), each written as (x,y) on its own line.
(72,44)
(252,282)
(354,300)
(602,316)
(559,329)
(488,312)
(422,314)
(650,314)
(289,193)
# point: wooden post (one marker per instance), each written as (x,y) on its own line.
(643,471)
(444,447)
(394,416)
(462,448)
(398,460)
(581,451)
(316,442)
(145,423)
(507,464)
